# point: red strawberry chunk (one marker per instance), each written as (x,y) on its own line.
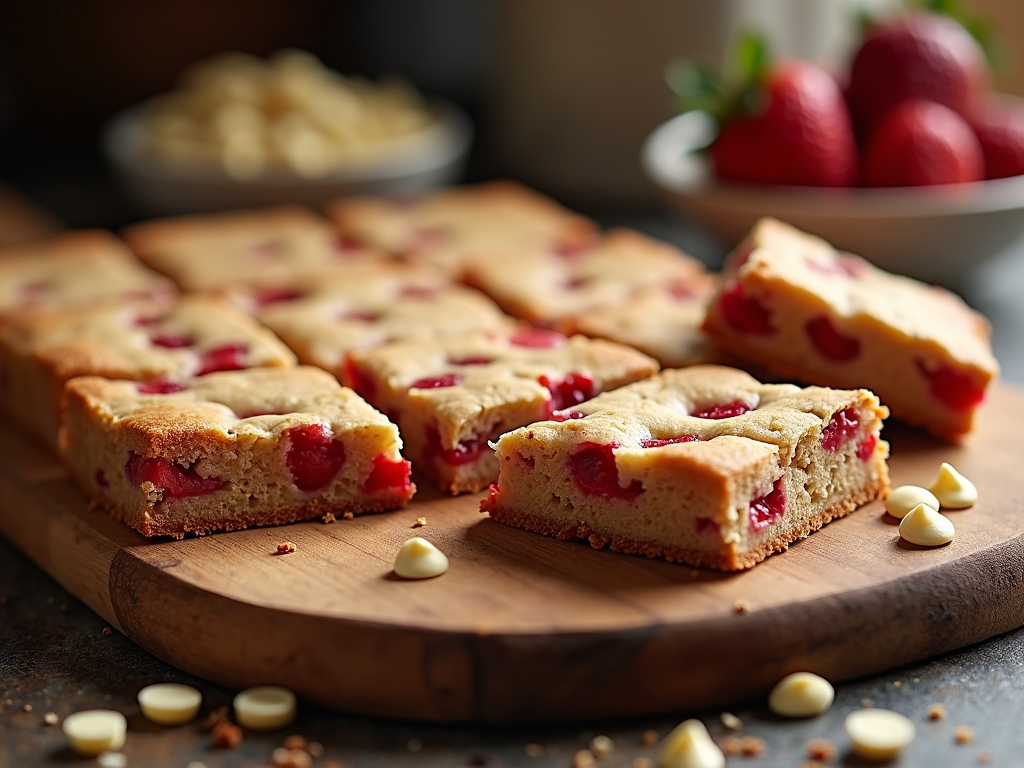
(227,357)
(437,382)
(572,390)
(313,456)
(465,452)
(418,292)
(706,525)
(471,360)
(158,387)
(841,427)
(657,443)
(355,377)
(388,475)
(866,447)
(537,338)
(348,244)
(768,509)
(593,470)
(829,342)
(175,480)
(172,340)
(566,415)
(957,389)
(266,296)
(745,313)
(726,411)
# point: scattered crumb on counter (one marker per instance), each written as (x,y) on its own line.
(226,735)
(107,632)
(329,518)
(51,718)
(984,757)
(285,547)
(732,745)
(897,683)
(963,735)
(731,722)
(649,737)
(584,758)
(27,708)
(348,516)
(822,750)
(742,607)
(283,757)
(215,718)
(936,712)
(600,746)
(752,746)
(420,522)
(295,742)
(867,703)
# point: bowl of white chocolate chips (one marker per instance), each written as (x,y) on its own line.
(243,131)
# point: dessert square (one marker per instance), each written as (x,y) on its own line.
(159,345)
(73,270)
(701,465)
(446,228)
(450,396)
(231,450)
(794,304)
(543,285)
(264,246)
(323,317)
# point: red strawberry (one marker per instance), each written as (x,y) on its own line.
(999,125)
(918,56)
(920,143)
(803,135)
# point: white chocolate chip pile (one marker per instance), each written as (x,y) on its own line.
(419,559)
(801,694)
(246,116)
(953,490)
(689,745)
(170,703)
(265,707)
(93,731)
(926,527)
(904,498)
(878,734)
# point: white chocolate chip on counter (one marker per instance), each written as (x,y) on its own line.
(801,694)
(689,745)
(170,703)
(265,707)
(419,559)
(953,490)
(904,498)
(878,734)
(93,731)
(927,528)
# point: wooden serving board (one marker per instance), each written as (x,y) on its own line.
(527,628)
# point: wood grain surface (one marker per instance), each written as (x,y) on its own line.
(526,628)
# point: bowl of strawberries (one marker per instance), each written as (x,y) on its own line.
(910,161)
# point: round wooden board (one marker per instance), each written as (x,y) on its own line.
(527,628)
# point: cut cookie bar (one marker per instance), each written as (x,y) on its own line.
(542,285)
(323,317)
(243,247)
(794,304)
(159,345)
(231,450)
(451,396)
(701,465)
(74,270)
(446,228)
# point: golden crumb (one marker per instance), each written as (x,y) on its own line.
(329,518)
(215,718)
(867,703)
(730,721)
(984,757)
(936,712)
(107,632)
(822,750)
(963,735)
(226,735)
(347,515)
(420,522)
(584,758)
(27,708)
(752,746)
(601,746)
(897,683)
(291,758)
(285,547)
(643,762)
(295,742)
(649,737)
(732,745)
(742,607)
(50,718)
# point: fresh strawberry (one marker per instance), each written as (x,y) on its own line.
(999,125)
(917,56)
(921,143)
(784,123)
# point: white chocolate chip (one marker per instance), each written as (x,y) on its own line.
(170,703)
(953,490)
(878,734)
(419,559)
(903,499)
(111,760)
(801,694)
(265,708)
(95,730)
(689,745)
(926,527)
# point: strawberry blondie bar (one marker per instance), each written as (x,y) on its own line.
(701,465)
(450,396)
(231,450)
(793,303)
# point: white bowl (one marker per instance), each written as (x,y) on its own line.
(428,158)
(936,234)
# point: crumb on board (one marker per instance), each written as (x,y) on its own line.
(215,718)
(329,518)
(27,708)
(107,632)
(751,746)
(583,758)
(649,737)
(601,746)
(295,741)
(282,757)
(741,607)
(419,522)
(936,712)
(963,735)
(226,735)
(51,718)
(732,745)
(346,515)
(867,703)
(286,547)
(984,757)
(822,750)
(731,722)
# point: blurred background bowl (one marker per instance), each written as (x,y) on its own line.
(937,234)
(431,157)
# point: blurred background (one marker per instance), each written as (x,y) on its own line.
(562,92)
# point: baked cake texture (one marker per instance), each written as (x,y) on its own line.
(265,246)
(159,344)
(75,269)
(231,450)
(325,316)
(447,227)
(701,465)
(796,305)
(450,396)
